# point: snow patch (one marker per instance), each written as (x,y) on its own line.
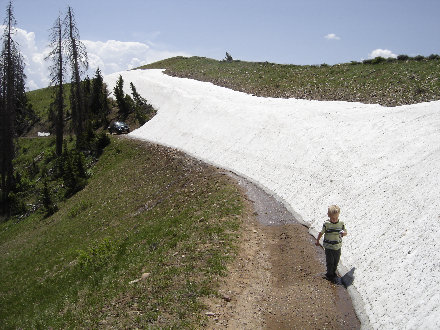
(380,165)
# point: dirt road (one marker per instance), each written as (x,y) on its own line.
(277,280)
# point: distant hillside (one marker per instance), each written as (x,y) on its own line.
(388,82)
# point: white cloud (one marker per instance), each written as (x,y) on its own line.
(110,56)
(382,53)
(332,36)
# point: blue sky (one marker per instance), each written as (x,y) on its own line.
(123,34)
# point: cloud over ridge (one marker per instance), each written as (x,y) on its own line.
(386,53)
(113,55)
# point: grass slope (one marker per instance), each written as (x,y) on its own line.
(389,83)
(42,98)
(146,210)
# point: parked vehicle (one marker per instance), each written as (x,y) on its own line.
(118,127)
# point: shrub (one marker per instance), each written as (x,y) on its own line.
(16,204)
(102,141)
(377,60)
(418,58)
(402,57)
(98,255)
(48,205)
(434,57)
(24,183)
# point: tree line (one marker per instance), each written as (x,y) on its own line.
(88,111)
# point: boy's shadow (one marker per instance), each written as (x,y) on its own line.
(348,278)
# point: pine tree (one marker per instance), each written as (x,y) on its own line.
(57,70)
(124,101)
(87,91)
(138,99)
(88,135)
(77,57)
(12,94)
(25,116)
(143,110)
(74,173)
(99,103)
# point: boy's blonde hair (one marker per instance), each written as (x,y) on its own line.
(333,210)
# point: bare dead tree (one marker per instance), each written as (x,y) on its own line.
(57,70)
(77,57)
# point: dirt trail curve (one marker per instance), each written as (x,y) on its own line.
(276,281)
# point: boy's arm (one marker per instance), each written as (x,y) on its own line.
(344,232)
(318,238)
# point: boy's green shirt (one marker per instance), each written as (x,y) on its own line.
(332,240)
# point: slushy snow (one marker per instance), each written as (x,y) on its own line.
(381,165)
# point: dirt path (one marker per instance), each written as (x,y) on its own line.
(276,281)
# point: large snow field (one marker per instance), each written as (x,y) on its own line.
(380,165)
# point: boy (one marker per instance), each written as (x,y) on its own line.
(333,232)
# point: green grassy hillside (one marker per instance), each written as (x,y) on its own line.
(42,98)
(146,211)
(386,82)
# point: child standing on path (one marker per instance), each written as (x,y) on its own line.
(333,232)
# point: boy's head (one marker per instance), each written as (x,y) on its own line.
(333,213)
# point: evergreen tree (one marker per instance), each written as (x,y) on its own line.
(138,99)
(228,57)
(12,97)
(77,57)
(25,116)
(125,104)
(99,103)
(87,92)
(143,110)
(74,173)
(88,136)
(57,70)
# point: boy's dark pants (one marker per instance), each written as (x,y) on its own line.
(332,260)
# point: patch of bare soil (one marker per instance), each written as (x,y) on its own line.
(276,281)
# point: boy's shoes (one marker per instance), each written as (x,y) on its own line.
(334,279)
(329,278)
